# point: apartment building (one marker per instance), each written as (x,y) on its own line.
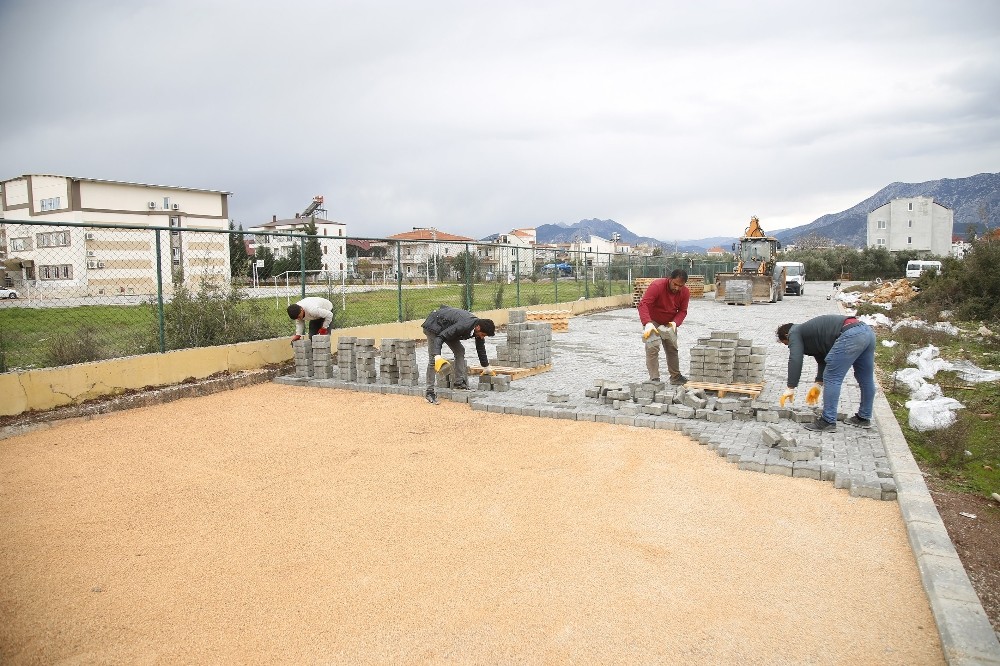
(332,237)
(913,223)
(52,260)
(423,252)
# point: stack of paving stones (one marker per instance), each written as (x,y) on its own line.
(303,358)
(726,358)
(347,366)
(738,292)
(398,362)
(322,362)
(763,445)
(364,356)
(493,383)
(529,343)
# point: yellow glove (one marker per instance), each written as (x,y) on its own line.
(788,395)
(440,362)
(648,331)
(812,398)
(490,371)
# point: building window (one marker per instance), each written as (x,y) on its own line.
(909,206)
(53,239)
(174,222)
(880,224)
(325,248)
(50,204)
(342,249)
(909,223)
(909,240)
(20,244)
(60,272)
(340,232)
(166,203)
(880,242)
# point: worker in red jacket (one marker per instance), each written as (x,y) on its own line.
(662,310)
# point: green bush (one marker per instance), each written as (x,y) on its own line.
(212,317)
(81,345)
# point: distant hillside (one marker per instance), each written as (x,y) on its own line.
(965,196)
(582,230)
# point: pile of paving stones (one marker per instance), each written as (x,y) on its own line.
(726,358)
(398,362)
(529,343)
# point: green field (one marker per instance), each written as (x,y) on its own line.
(48,337)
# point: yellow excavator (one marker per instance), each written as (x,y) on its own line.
(754,279)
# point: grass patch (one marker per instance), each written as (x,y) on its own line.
(966,455)
(47,337)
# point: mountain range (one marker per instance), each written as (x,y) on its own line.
(971,199)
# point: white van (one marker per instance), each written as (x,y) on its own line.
(915,267)
(795,276)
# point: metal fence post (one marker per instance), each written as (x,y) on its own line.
(302,263)
(399,280)
(517,276)
(468,279)
(159,293)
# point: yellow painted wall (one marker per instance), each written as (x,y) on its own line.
(40,390)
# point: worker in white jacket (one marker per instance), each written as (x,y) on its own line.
(317,311)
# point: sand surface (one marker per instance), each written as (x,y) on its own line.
(280,524)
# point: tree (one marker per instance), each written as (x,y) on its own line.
(263,253)
(239,261)
(314,253)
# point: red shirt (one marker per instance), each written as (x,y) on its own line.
(662,306)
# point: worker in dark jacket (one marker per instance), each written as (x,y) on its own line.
(838,343)
(448,325)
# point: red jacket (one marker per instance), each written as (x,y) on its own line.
(663,306)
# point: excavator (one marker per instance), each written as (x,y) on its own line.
(754,279)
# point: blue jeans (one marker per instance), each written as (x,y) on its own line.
(854,348)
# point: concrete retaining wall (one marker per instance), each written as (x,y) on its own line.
(40,390)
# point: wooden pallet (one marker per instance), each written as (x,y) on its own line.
(514,373)
(558,318)
(695,284)
(753,390)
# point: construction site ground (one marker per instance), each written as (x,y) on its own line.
(288,523)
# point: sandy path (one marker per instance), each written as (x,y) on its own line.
(300,525)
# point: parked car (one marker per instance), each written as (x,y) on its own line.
(795,276)
(7,292)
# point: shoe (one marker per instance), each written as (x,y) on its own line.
(859,422)
(461,387)
(819,425)
(431,398)
(654,379)
(679,380)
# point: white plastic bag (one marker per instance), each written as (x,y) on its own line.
(934,414)
(928,361)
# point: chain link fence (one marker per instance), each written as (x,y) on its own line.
(77,292)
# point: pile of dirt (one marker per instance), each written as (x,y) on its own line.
(900,291)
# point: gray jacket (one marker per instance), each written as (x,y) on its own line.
(452,324)
(814,338)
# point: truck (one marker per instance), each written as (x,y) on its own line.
(755,278)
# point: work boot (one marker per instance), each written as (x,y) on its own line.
(819,425)
(859,422)
(431,397)
(679,380)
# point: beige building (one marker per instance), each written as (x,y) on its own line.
(913,223)
(48,259)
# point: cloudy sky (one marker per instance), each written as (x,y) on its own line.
(679,120)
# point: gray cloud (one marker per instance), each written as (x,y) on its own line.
(679,120)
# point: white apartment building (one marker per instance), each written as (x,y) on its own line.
(52,261)
(913,223)
(597,251)
(332,237)
(512,254)
(422,250)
